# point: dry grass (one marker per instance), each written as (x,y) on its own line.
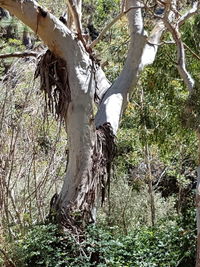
(33,150)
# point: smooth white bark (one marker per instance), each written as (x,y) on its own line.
(49,28)
(142,52)
(80,71)
(181,60)
(82,83)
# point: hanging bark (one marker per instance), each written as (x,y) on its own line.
(93,186)
(54,82)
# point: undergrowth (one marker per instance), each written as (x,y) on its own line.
(168,244)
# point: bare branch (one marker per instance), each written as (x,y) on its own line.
(189,13)
(181,65)
(152,44)
(75,15)
(19,54)
(107,27)
(173,43)
(76,18)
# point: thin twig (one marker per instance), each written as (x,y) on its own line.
(107,27)
(191,51)
(172,42)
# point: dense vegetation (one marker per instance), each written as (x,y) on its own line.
(149,215)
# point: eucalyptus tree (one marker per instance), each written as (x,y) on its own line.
(90,105)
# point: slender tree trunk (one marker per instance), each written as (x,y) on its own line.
(198,208)
(198,217)
(150,186)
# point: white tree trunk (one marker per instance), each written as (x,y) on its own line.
(142,52)
(79,118)
(87,166)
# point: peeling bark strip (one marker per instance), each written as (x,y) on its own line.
(54,82)
(99,175)
(103,155)
(98,178)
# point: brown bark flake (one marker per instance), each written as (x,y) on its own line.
(54,82)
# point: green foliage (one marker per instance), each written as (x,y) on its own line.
(46,245)
(162,246)
(156,112)
(40,247)
(106,9)
(167,244)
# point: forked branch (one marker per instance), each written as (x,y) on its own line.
(140,54)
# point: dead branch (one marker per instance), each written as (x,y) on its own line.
(181,65)
(19,54)
(76,18)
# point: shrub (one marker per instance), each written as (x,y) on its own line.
(165,245)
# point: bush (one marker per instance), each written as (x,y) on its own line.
(162,246)
(45,245)
(165,245)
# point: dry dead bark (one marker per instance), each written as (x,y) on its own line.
(53,75)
